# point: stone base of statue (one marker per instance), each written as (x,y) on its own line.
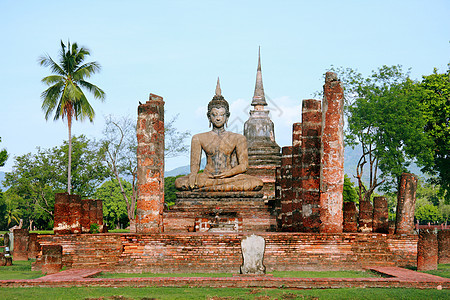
(219,212)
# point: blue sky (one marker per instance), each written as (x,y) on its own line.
(177,49)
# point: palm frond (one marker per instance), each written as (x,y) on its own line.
(84,109)
(51,98)
(98,92)
(52,79)
(86,70)
(47,61)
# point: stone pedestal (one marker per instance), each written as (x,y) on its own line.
(219,211)
(332,150)
(444,246)
(406,204)
(427,250)
(150,170)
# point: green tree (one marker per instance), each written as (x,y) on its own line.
(119,146)
(434,93)
(427,213)
(385,120)
(169,190)
(349,194)
(12,211)
(3,155)
(65,96)
(35,178)
(114,206)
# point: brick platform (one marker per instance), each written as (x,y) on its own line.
(249,207)
(221,252)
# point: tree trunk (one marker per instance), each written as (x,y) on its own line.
(69,166)
(132,225)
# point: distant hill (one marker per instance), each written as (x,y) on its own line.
(183,170)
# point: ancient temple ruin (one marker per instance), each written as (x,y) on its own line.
(293,200)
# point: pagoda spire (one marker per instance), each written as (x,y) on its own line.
(259,97)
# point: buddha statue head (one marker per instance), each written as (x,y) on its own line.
(217,103)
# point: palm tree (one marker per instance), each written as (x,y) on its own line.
(65,96)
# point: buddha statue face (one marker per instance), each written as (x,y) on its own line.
(218,111)
(218,117)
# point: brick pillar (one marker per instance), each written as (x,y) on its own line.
(332,150)
(350,223)
(150,170)
(310,168)
(365,221)
(75,213)
(406,204)
(33,246)
(427,250)
(380,215)
(297,135)
(297,218)
(62,214)
(85,215)
(444,246)
(20,251)
(99,215)
(285,217)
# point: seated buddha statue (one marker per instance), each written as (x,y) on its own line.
(226,156)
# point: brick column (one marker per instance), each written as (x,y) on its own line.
(297,135)
(296,183)
(350,223)
(444,246)
(332,149)
(380,215)
(406,204)
(310,169)
(33,246)
(427,250)
(285,217)
(75,213)
(20,251)
(85,215)
(150,170)
(61,214)
(365,221)
(99,215)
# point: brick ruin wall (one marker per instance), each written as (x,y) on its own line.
(74,215)
(208,252)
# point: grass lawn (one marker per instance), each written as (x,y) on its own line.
(19,270)
(217,293)
(443,271)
